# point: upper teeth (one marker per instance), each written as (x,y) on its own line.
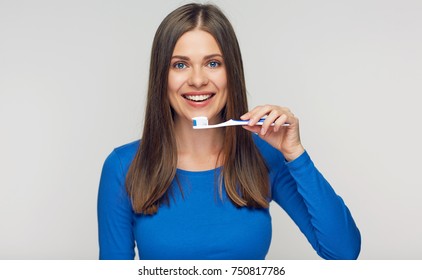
(198,97)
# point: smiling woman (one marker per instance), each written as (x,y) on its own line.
(197,81)
(196,37)
(183,193)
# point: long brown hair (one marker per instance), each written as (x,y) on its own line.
(153,169)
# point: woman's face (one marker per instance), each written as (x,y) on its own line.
(197,81)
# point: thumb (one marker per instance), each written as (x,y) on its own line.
(254,129)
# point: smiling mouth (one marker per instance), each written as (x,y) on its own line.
(199,97)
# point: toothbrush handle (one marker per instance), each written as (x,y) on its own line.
(245,122)
(261,121)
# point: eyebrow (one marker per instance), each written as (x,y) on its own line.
(205,57)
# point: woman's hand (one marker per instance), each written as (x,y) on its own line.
(284,138)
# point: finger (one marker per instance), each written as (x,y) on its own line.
(258,112)
(248,115)
(270,119)
(254,129)
(279,123)
(292,120)
(245,116)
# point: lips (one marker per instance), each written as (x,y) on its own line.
(199,97)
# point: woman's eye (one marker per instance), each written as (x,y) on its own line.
(179,65)
(214,64)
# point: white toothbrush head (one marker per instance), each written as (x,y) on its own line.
(200,121)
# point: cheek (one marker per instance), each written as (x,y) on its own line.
(175,81)
(223,87)
(222,83)
(220,80)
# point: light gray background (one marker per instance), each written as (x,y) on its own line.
(73,77)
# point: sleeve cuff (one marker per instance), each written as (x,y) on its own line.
(303,160)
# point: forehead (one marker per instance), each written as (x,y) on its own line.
(196,42)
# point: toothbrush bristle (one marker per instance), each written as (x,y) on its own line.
(200,121)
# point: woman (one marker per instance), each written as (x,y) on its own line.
(181,193)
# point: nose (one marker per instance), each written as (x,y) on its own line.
(197,78)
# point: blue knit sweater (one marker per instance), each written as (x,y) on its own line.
(200,225)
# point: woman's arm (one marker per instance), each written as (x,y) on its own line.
(115,216)
(319,212)
(301,189)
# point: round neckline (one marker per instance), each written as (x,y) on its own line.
(198,172)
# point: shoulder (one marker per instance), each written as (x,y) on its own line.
(122,156)
(127,151)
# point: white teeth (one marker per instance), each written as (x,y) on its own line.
(198,98)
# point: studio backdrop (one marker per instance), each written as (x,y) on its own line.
(73,80)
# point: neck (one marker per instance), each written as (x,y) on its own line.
(198,149)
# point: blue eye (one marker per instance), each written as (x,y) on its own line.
(179,65)
(214,64)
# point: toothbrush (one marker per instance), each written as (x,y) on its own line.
(202,123)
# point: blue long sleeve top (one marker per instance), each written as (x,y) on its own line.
(201,225)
